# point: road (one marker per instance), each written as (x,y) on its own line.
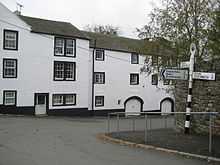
(65,141)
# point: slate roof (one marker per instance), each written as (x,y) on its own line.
(114,42)
(145,47)
(44,26)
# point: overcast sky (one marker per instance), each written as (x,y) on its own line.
(126,14)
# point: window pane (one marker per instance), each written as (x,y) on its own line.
(59,46)
(69,47)
(99,55)
(134,58)
(70,99)
(134,80)
(99,78)
(99,101)
(10,40)
(69,71)
(57,99)
(9,97)
(59,70)
(10,68)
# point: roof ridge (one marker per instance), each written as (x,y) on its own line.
(43,19)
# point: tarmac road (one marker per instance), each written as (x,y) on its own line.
(66,141)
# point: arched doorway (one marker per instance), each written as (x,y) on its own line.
(134,104)
(167,105)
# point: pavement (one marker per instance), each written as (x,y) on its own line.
(65,141)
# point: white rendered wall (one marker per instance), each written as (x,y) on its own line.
(117,82)
(35,57)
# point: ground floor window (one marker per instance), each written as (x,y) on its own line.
(9,97)
(64,99)
(99,101)
(134,79)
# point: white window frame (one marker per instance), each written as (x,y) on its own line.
(74,99)
(10,39)
(99,101)
(70,47)
(132,80)
(99,52)
(59,46)
(61,101)
(62,70)
(99,77)
(14,97)
(5,68)
(136,58)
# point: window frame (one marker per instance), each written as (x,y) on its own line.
(152,82)
(103,101)
(103,55)
(102,73)
(65,46)
(4,39)
(134,74)
(64,99)
(64,72)
(4,98)
(136,62)
(16,68)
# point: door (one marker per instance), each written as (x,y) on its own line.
(133,105)
(41,103)
(166,106)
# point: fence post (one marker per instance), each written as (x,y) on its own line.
(145,132)
(210,134)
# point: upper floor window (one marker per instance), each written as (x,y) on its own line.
(10,40)
(99,77)
(99,55)
(9,68)
(64,47)
(154,60)
(9,97)
(64,70)
(134,79)
(134,58)
(154,79)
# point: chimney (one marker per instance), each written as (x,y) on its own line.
(17,12)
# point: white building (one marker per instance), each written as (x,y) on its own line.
(48,67)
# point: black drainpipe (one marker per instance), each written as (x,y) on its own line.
(93,69)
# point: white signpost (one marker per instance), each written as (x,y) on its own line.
(175,74)
(204,76)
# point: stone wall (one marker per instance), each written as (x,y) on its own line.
(206,97)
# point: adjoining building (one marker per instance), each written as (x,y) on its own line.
(51,67)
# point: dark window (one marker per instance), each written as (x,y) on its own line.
(41,100)
(64,70)
(99,101)
(64,99)
(9,97)
(99,77)
(10,40)
(134,58)
(154,60)
(154,79)
(64,47)
(99,55)
(9,68)
(134,79)
(166,82)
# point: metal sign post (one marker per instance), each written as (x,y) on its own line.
(189,97)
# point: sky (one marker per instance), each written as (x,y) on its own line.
(125,14)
